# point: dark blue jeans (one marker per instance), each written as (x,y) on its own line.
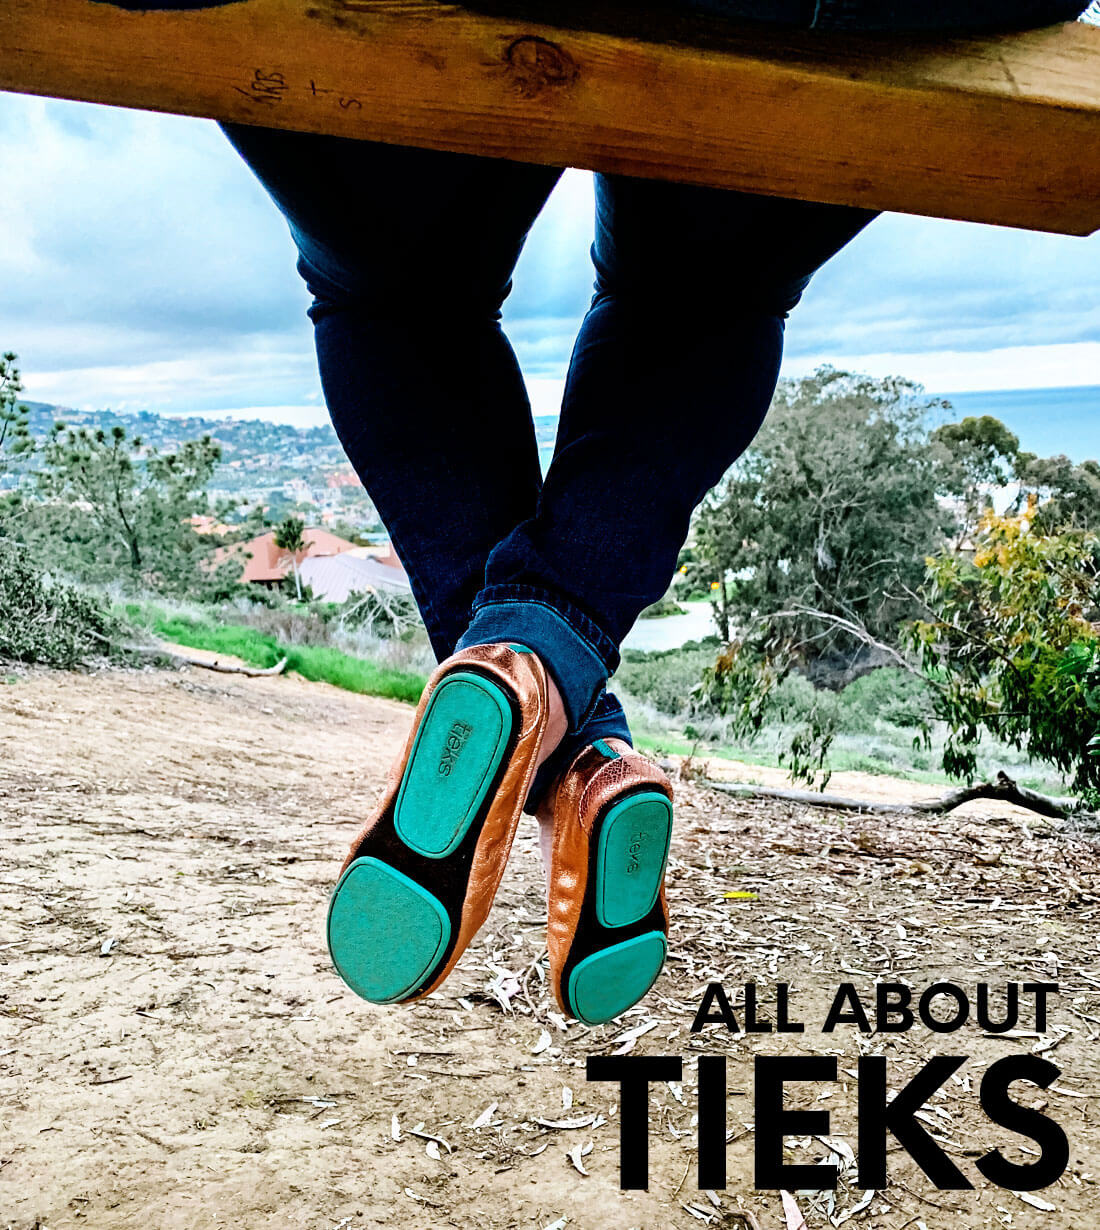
(409,255)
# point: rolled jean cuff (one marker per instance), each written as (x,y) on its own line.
(607,721)
(578,655)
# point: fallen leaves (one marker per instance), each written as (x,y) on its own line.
(576,1153)
(485,1118)
(432,1139)
(794,1218)
(1036,1202)
(570,1125)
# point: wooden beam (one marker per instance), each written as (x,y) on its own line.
(1002,129)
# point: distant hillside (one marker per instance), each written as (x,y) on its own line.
(249,442)
(272,463)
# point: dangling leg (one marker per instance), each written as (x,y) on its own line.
(409,255)
(670,379)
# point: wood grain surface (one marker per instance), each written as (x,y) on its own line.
(1001,129)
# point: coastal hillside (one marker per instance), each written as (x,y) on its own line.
(274,464)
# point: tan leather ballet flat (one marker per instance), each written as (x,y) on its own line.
(607,929)
(422,873)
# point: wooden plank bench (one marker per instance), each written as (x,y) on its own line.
(1001,129)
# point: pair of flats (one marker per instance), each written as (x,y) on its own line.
(422,873)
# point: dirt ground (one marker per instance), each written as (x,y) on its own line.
(175,1050)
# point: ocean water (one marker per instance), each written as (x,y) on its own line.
(1047,421)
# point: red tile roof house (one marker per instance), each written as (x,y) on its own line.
(363,568)
(269,564)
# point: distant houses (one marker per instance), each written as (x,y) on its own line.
(203,523)
(331,566)
(336,577)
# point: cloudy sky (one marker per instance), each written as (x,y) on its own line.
(143,268)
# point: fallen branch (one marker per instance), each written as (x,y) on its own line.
(253,672)
(1002,788)
(860,633)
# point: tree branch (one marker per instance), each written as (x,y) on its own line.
(253,672)
(860,633)
(1002,787)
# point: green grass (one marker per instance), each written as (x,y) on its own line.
(839,760)
(318,663)
(848,754)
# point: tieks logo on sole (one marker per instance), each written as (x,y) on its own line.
(634,854)
(452,747)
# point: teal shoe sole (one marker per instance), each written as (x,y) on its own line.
(389,934)
(385,933)
(461,741)
(630,859)
(631,851)
(608,982)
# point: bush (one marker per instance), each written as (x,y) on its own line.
(1012,647)
(797,701)
(667,678)
(886,695)
(663,607)
(46,621)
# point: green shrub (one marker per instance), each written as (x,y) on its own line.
(888,694)
(797,701)
(663,607)
(666,678)
(45,620)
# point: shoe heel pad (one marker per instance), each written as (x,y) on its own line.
(386,934)
(608,982)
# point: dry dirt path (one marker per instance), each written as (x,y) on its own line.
(175,1050)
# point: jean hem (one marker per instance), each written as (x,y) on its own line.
(575,652)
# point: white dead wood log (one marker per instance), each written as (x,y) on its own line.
(1002,788)
(224,668)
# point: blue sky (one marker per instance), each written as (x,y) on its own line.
(143,268)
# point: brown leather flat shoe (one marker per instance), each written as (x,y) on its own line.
(422,873)
(607,929)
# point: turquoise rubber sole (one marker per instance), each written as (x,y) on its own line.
(631,853)
(385,932)
(630,858)
(609,981)
(388,934)
(461,741)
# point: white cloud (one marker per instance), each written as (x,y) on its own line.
(545,394)
(961,371)
(205,382)
(142,263)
